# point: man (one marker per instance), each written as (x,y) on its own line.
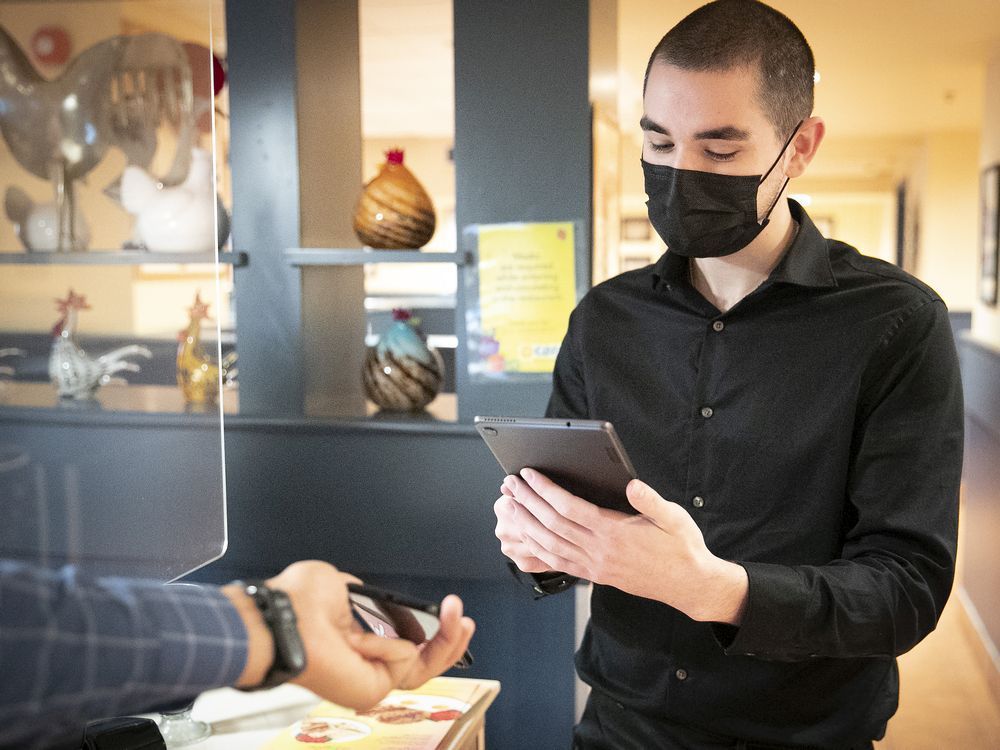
(794,409)
(73,649)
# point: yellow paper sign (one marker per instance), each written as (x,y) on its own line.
(527,289)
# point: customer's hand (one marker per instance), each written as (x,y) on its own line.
(344,664)
(658,554)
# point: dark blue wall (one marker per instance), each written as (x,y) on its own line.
(981,481)
(409,507)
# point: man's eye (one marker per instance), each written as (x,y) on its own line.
(720,157)
(661,147)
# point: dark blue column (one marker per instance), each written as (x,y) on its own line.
(522,142)
(264,159)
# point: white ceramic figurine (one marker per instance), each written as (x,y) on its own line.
(175,219)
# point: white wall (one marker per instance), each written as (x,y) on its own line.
(866,220)
(948,253)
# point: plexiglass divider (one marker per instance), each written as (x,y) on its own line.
(113,375)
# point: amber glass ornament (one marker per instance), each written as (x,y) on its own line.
(394,211)
(403,373)
(197,372)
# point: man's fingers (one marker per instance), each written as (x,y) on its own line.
(509,485)
(556,514)
(504,508)
(553,541)
(553,561)
(650,503)
(525,561)
(508,531)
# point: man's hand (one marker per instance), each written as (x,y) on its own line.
(344,664)
(509,531)
(659,554)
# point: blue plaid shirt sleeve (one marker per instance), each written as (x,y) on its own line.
(73,649)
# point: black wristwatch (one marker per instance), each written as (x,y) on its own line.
(543,584)
(289,653)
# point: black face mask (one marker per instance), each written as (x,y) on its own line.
(703,214)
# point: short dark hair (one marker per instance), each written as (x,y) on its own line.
(730,34)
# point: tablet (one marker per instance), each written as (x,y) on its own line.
(582,456)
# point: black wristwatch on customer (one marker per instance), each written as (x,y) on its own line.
(289,653)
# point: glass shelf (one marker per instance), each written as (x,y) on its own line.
(33,398)
(315,256)
(120,258)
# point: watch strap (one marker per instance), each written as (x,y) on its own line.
(289,652)
(543,584)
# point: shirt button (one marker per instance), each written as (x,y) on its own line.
(681,674)
(698,501)
(706,412)
(718,325)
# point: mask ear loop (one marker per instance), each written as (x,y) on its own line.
(767,214)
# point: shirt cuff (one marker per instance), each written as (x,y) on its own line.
(768,628)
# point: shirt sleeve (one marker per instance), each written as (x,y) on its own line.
(901,516)
(74,649)
(569,394)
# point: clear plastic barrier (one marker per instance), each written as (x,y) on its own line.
(114,309)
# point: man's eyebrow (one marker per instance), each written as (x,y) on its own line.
(646,124)
(727,133)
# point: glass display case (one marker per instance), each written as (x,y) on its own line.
(114,295)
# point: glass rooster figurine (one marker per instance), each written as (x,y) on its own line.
(197,372)
(74,373)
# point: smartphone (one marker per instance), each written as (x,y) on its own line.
(583,456)
(392,615)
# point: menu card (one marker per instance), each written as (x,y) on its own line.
(426,718)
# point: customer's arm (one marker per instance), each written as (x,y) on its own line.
(74,649)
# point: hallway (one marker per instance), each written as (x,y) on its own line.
(945,698)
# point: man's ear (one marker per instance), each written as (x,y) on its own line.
(805,144)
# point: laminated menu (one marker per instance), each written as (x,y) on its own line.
(438,715)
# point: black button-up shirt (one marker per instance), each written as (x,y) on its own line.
(814,433)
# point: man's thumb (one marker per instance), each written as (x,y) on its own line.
(648,501)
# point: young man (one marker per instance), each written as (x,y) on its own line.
(794,409)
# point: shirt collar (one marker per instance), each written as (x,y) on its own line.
(805,263)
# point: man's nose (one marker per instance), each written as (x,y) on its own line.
(684,158)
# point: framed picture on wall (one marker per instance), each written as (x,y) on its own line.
(636,229)
(989,241)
